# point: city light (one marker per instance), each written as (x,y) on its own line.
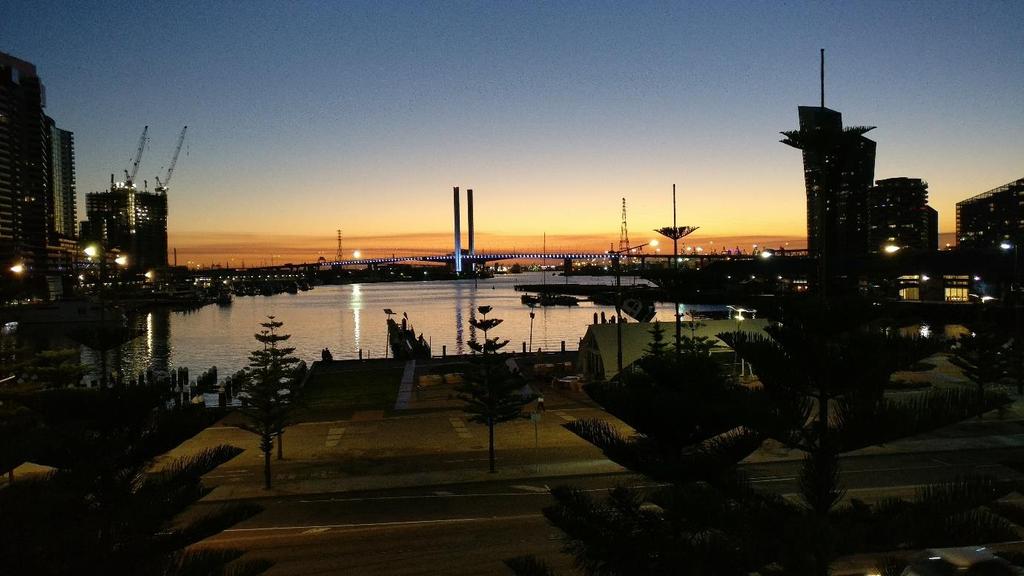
(18,268)
(357,254)
(91,251)
(891,249)
(121,260)
(766,254)
(1005,245)
(149,275)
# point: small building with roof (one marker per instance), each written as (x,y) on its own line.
(598,348)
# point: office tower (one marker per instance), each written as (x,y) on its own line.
(992,218)
(898,215)
(25,213)
(839,165)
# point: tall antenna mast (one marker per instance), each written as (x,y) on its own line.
(822,77)
(338,255)
(624,231)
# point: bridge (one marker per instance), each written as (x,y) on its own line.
(459,256)
(484,257)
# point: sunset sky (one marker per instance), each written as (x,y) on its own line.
(307,117)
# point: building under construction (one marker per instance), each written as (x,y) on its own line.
(129,220)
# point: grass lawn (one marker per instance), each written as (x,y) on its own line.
(336,394)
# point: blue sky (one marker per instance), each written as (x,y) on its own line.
(305,117)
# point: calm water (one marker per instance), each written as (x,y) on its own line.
(350,318)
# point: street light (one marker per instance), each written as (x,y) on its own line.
(18,268)
(891,248)
(91,251)
(676,233)
(121,260)
(532,315)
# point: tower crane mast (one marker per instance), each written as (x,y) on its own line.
(130,176)
(162,186)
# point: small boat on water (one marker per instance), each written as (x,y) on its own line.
(546,299)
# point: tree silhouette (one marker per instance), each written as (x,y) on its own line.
(268,389)
(983,356)
(107,508)
(822,379)
(491,393)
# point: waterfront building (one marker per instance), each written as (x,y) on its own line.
(991,218)
(131,221)
(898,214)
(37,179)
(24,167)
(839,167)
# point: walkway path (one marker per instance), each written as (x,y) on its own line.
(405,390)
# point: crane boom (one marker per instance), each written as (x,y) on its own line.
(162,186)
(138,157)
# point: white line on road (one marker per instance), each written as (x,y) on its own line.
(326,527)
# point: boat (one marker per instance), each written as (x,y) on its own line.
(547,299)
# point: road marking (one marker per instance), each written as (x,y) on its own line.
(326,527)
(443,494)
(316,530)
(528,488)
(460,428)
(333,437)
(758,479)
(561,414)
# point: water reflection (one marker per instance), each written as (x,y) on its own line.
(356,304)
(223,336)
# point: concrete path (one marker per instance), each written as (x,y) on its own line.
(405,390)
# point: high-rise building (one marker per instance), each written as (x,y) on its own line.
(991,218)
(839,166)
(62,182)
(25,213)
(898,215)
(131,221)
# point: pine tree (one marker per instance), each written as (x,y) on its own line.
(982,357)
(492,395)
(657,347)
(268,390)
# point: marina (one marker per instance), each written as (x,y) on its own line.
(348,320)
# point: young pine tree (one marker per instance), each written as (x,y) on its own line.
(268,389)
(491,393)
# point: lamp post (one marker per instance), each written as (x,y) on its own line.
(532,315)
(1015,288)
(676,233)
(616,255)
(99,251)
(1014,281)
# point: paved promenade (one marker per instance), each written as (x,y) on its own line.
(428,441)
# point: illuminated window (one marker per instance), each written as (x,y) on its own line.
(956,294)
(910,293)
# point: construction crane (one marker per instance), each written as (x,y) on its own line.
(129,178)
(162,186)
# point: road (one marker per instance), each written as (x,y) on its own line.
(470,528)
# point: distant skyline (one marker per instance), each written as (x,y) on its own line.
(307,117)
